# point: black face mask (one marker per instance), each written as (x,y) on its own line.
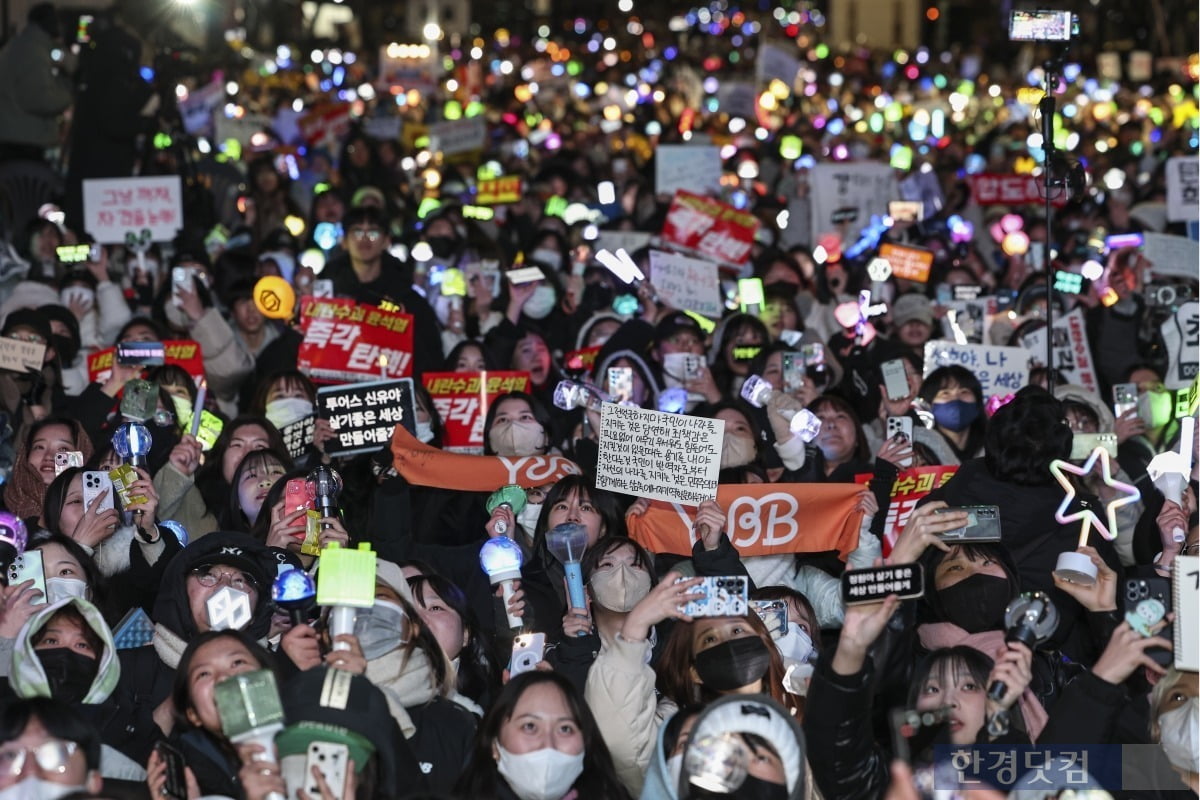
(977,603)
(442,246)
(70,674)
(733,664)
(66,349)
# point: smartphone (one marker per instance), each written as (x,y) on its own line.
(724,596)
(331,761)
(141,354)
(248,701)
(122,478)
(28,567)
(528,650)
(913,735)
(181,280)
(773,613)
(175,787)
(793,372)
(1153,588)
(1125,398)
(525,275)
(902,426)
(72,253)
(1035,256)
(65,460)
(322,287)
(295,496)
(895,379)
(1083,444)
(983,524)
(814,364)
(97,484)
(874,584)
(139,400)
(620,384)
(1042,26)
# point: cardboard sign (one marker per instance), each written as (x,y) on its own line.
(1181,337)
(909,263)
(348,341)
(1185,589)
(762,519)
(1010,190)
(298,435)
(710,228)
(671,457)
(1183,191)
(326,125)
(848,193)
(1000,370)
(689,284)
(499,191)
(462,400)
(777,63)
(181,352)
(19,356)
(112,207)
(909,487)
(692,168)
(1072,354)
(364,415)
(459,136)
(1171,255)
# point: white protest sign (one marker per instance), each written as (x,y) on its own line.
(693,168)
(1183,188)
(459,136)
(690,284)
(21,356)
(738,99)
(850,193)
(1181,337)
(112,207)
(629,241)
(1171,255)
(1000,370)
(1072,354)
(661,456)
(242,129)
(386,127)
(777,63)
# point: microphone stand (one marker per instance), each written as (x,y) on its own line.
(1047,107)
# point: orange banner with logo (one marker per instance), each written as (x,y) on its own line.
(425,465)
(762,519)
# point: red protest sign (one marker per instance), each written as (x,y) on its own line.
(1011,190)
(710,228)
(462,400)
(909,263)
(326,125)
(911,485)
(584,359)
(346,341)
(499,191)
(182,352)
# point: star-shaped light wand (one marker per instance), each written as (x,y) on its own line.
(1074,566)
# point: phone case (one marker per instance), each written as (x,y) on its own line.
(793,372)
(620,383)
(175,787)
(28,566)
(528,650)
(1159,589)
(139,400)
(724,596)
(66,460)
(1125,397)
(295,495)
(331,760)
(901,425)
(1083,444)
(895,382)
(773,613)
(97,484)
(983,524)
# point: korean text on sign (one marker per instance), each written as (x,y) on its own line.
(113,207)
(364,415)
(347,341)
(462,400)
(910,488)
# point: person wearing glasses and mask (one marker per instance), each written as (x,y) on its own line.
(47,751)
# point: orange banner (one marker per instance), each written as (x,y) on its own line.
(762,519)
(425,465)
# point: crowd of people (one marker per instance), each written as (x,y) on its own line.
(159,644)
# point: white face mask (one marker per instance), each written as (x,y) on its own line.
(1180,735)
(425,432)
(736,451)
(528,518)
(541,775)
(38,789)
(285,411)
(547,256)
(540,303)
(517,438)
(380,628)
(62,588)
(795,645)
(619,587)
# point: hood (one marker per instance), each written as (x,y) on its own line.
(171,610)
(586,329)
(28,678)
(659,784)
(1079,394)
(605,359)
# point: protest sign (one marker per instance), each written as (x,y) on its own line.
(738,99)
(184,353)
(346,341)
(909,263)
(385,127)
(326,125)
(1171,255)
(582,360)
(408,67)
(689,284)
(1181,337)
(762,519)
(21,356)
(972,318)
(241,129)
(849,193)
(1072,354)
(499,191)
(924,188)
(363,415)
(661,456)
(629,241)
(298,435)
(910,486)
(988,189)
(459,136)
(692,168)
(777,62)
(1183,190)
(425,465)
(197,108)
(1000,370)
(710,227)
(112,207)
(462,400)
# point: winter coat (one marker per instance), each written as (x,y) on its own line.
(30,104)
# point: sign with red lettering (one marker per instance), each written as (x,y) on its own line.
(710,227)
(911,485)
(351,342)
(499,191)
(113,207)
(1011,190)
(181,352)
(462,400)
(1072,354)
(326,125)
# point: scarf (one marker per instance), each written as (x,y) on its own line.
(424,465)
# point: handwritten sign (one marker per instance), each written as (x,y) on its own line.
(1000,370)
(689,284)
(1171,255)
(1183,189)
(1181,337)
(910,486)
(184,353)
(499,191)
(21,356)
(459,136)
(112,207)
(347,341)
(364,415)
(671,457)
(909,263)
(298,435)
(462,400)
(845,193)
(1072,354)
(710,228)
(692,168)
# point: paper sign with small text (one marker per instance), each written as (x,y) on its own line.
(777,62)
(910,486)
(909,263)
(460,136)
(1000,370)
(692,168)
(661,456)
(112,207)
(462,400)
(1172,255)
(1072,354)
(1181,338)
(364,415)
(21,356)
(847,194)
(1183,189)
(348,341)
(710,227)
(298,435)
(689,284)
(181,352)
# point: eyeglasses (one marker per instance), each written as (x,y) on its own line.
(238,580)
(371,234)
(28,337)
(1190,549)
(51,756)
(162,417)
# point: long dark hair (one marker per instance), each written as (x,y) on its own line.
(210,479)
(612,520)
(478,678)
(540,413)
(235,518)
(598,781)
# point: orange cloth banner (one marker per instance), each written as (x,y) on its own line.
(762,519)
(425,465)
